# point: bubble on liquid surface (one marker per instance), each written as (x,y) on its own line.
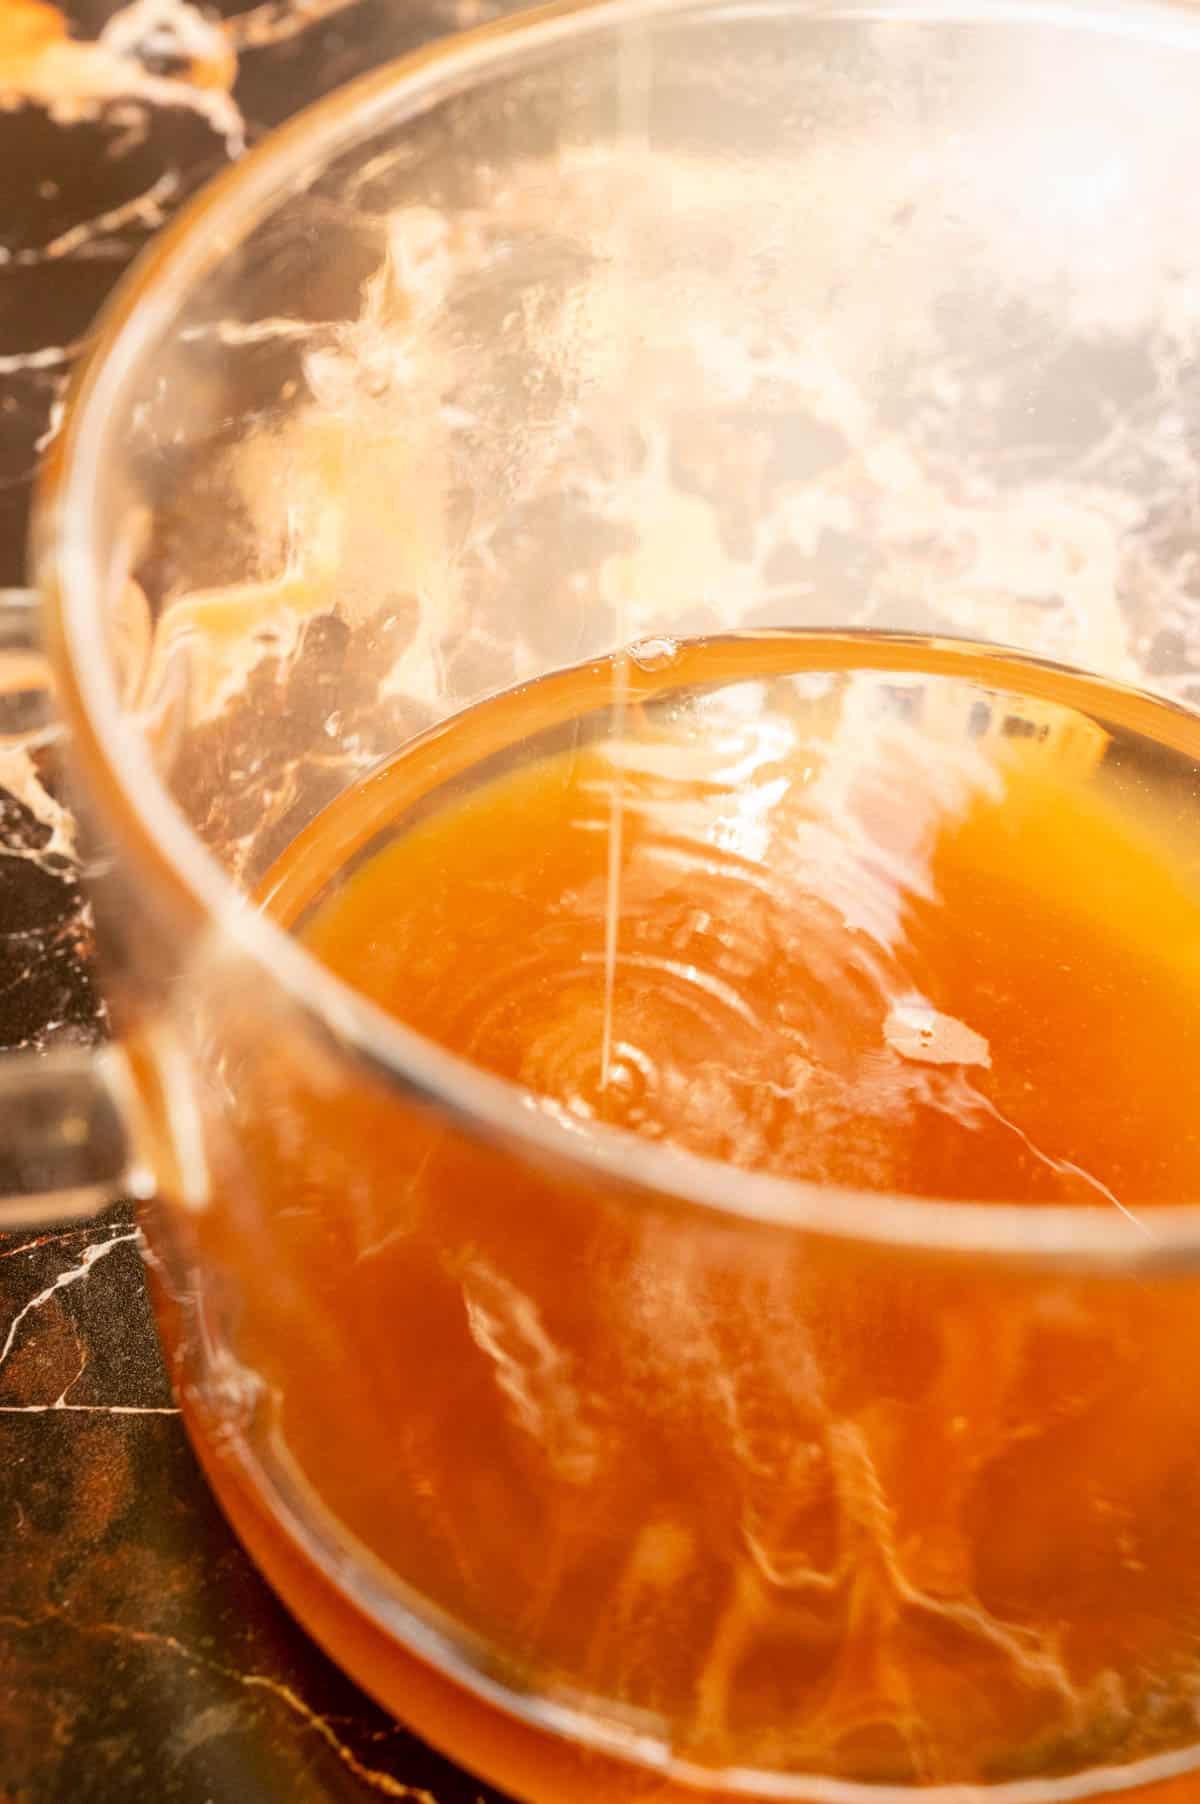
(653,654)
(916,1030)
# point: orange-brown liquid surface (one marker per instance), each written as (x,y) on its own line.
(779,1501)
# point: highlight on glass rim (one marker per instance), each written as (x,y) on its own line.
(614,636)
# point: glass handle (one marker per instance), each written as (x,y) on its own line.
(65,1148)
(65,1145)
(26,695)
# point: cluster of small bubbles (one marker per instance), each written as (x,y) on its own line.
(653,654)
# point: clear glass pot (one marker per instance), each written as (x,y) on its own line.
(615,321)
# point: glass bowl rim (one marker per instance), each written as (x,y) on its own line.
(117,771)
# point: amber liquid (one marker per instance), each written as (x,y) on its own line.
(889,918)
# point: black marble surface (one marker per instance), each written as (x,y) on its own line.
(141,1657)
